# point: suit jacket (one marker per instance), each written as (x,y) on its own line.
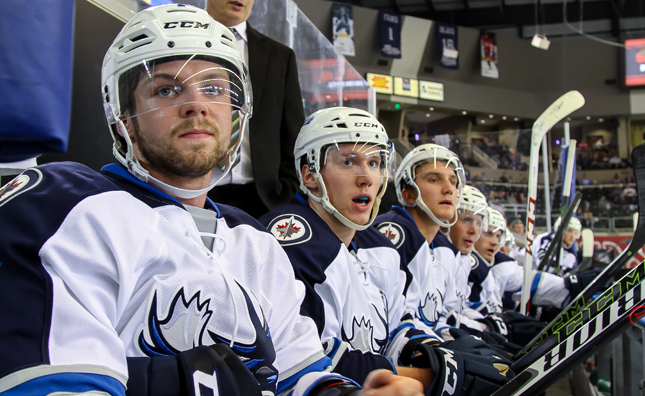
(278,115)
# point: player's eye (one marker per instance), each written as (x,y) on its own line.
(167,91)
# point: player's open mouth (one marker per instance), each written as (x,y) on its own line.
(362,200)
(491,251)
(446,202)
(468,242)
(237,3)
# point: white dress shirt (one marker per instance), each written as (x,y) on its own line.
(242,173)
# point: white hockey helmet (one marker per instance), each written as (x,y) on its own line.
(321,136)
(573,223)
(496,222)
(406,174)
(473,201)
(510,239)
(157,35)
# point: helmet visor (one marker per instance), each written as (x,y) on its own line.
(358,159)
(175,81)
(479,221)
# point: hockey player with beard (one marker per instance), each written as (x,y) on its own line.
(354,286)
(569,251)
(132,276)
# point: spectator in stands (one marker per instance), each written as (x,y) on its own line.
(628,192)
(603,206)
(502,198)
(266,174)
(520,198)
(585,181)
(615,161)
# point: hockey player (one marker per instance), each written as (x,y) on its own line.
(114,278)
(569,250)
(508,276)
(351,272)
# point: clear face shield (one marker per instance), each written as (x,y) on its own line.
(476,221)
(353,178)
(359,159)
(161,101)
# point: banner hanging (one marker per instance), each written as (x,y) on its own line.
(488,44)
(343,28)
(448,44)
(390,33)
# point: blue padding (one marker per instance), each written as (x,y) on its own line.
(36,57)
(68,383)
(317,366)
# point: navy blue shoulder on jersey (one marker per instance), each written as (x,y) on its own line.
(440,240)
(32,208)
(501,258)
(409,241)
(235,217)
(146,193)
(310,255)
(477,275)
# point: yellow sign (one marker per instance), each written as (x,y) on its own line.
(431,91)
(381,83)
(406,87)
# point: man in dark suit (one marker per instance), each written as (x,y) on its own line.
(265,176)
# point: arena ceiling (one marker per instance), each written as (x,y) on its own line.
(609,18)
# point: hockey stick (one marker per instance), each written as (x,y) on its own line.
(562,107)
(613,314)
(637,242)
(556,244)
(566,193)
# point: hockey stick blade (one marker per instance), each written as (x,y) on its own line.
(562,107)
(582,342)
(636,244)
(584,315)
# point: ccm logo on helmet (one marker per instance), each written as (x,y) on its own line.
(186,24)
(365,124)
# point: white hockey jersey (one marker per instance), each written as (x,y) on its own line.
(541,245)
(96,267)
(546,289)
(354,295)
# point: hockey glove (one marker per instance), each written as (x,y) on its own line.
(459,373)
(578,282)
(465,343)
(521,329)
(494,340)
(495,324)
(215,369)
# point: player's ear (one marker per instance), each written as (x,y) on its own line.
(127,121)
(309,179)
(409,195)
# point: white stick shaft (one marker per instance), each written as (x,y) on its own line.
(547,192)
(534,162)
(568,173)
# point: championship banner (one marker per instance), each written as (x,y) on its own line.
(36,58)
(343,28)
(448,45)
(488,42)
(389,26)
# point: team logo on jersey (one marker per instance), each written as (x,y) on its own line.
(393,232)
(361,336)
(22,183)
(428,310)
(473,262)
(290,229)
(190,322)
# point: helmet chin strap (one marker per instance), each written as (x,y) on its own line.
(419,202)
(134,166)
(327,205)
